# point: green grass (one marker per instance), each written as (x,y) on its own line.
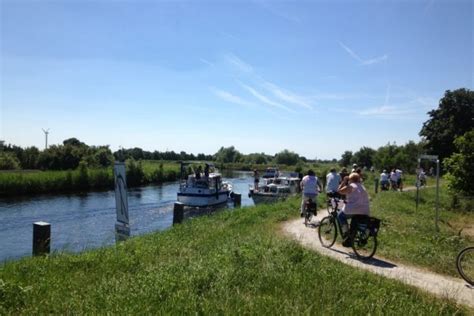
(409,235)
(35,182)
(232,262)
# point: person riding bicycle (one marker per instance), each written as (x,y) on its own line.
(357,203)
(310,186)
(332,183)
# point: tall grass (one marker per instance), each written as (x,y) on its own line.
(232,262)
(81,179)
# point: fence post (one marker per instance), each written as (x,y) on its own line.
(178,213)
(237,199)
(376,185)
(41,238)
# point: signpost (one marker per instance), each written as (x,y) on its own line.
(122,227)
(433,158)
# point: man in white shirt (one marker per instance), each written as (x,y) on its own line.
(310,186)
(384,184)
(332,182)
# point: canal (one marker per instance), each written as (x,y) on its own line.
(84,221)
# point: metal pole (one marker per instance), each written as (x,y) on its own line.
(418,184)
(41,238)
(437,194)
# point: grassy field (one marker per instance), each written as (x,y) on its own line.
(236,262)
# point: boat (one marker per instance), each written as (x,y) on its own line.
(201,189)
(271,173)
(274,189)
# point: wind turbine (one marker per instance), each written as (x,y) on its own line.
(46,132)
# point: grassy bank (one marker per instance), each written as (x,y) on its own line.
(85,179)
(232,262)
(409,235)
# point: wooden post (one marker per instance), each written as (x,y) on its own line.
(41,238)
(178,213)
(376,185)
(237,199)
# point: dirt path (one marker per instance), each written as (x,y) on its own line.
(442,286)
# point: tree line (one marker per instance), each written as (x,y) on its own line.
(448,133)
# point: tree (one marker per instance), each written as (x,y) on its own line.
(346,158)
(460,165)
(229,154)
(8,161)
(453,118)
(364,157)
(286,157)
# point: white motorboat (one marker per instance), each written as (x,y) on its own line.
(271,173)
(273,190)
(202,189)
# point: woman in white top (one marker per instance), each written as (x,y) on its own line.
(357,200)
(310,187)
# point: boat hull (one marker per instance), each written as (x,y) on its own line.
(267,198)
(201,200)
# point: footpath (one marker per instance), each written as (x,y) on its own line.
(442,286)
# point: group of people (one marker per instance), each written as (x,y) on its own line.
(342,185)
(393,180)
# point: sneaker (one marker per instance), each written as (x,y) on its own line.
(347,242)
(301,214)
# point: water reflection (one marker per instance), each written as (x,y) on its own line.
(82,221)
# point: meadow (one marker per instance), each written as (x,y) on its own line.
(238,262)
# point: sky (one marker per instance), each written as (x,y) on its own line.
(314,77)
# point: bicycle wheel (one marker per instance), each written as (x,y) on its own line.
(363,244)
(465,264)
(327,231)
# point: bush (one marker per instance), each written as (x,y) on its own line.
(8,161)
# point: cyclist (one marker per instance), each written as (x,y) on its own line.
(310,186)
(332,183)
(384,183)
(357,203)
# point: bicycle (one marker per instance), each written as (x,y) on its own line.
(465,264)
(309,211)
(362,234)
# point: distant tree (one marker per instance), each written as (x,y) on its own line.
(460,165)
(286,157)
(229,154)
(73,142)
(453,118)
(29,158)
(364,157)
(346,158)
(384,158)
(9,161)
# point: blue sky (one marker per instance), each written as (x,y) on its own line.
(314,77)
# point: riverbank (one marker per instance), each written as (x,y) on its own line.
(84,179)
(232,262)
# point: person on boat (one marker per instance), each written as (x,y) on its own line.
(357,203)
(198,173)
(310,186)
(256,179)
(206,171)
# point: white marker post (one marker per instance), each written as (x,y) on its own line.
(122,227)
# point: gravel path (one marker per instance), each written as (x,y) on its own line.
(440,285)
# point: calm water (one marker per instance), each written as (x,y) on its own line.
(80,222)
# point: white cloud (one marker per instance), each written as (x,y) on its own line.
(364,62)
(287,96)
(206,62)
(263,98)
(229,97)
(238,63)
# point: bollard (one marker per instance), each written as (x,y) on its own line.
(41,238)
(237,199)
(376,185)
(178,213)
